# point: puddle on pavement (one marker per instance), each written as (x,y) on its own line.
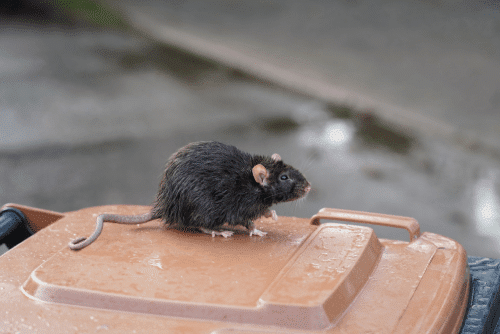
(353,159)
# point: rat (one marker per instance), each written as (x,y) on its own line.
(208,184)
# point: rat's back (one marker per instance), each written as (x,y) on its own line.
(210,156)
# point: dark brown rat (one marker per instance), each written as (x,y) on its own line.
(208,184)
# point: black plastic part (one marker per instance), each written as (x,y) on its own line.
(14,227)
(483,309)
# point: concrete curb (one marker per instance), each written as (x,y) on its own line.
(268,69)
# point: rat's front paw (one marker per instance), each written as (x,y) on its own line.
(271,213)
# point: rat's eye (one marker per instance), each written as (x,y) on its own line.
(284,177)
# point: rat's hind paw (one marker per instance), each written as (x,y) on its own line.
(225,234)
(257,232)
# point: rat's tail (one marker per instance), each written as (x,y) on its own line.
(83,242)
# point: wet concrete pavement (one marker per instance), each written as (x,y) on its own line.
(90,116)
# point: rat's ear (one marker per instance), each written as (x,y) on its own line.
(276,157)
(260,174)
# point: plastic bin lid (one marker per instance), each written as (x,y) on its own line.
(300,276)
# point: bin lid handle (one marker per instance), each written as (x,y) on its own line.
(408,223)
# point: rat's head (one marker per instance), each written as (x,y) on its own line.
(283,182)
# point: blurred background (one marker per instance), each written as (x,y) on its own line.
(385,106)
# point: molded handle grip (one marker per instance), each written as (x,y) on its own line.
(408,223)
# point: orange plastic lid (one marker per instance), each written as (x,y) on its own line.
(300,277)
